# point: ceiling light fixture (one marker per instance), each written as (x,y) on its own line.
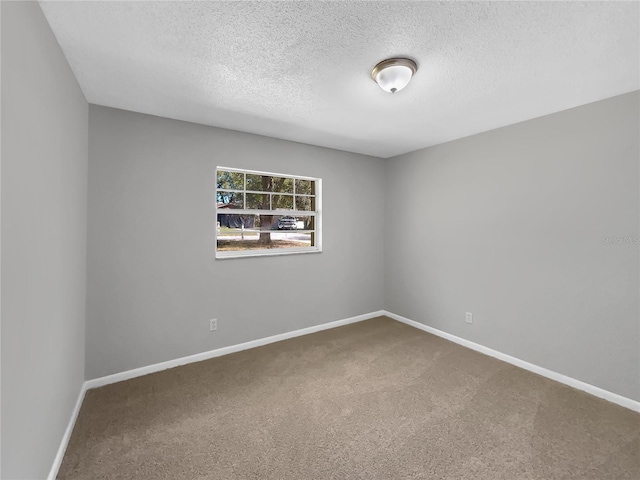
(394,74)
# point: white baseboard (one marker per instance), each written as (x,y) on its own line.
(138,372)
(198,357)
(57,461)
(558,377)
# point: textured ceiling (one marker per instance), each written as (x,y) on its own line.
(300,70)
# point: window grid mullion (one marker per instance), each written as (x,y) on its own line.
(259,191)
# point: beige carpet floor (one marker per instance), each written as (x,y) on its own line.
(372,400)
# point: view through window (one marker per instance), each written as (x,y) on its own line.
(260,213)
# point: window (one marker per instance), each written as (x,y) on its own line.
(260,213)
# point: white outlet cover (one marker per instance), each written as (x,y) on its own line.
(469,318)
(213,324)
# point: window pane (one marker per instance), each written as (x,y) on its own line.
(304,186)
(258,201)
(297,228)
(236,230)
(282,184)
(283,202)
(289,239)
(267,183)
(230,180)
(267,222)
(263,232)
(230,199)
(307,204)
(230,224)
(254,182)
(305,222)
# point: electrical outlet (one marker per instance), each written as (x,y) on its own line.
(213,324)
(469,318)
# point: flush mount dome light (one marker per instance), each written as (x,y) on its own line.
(394,74)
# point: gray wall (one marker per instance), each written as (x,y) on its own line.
(509,225)
(44,201)
(153,281)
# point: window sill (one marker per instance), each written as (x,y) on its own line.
(264,253)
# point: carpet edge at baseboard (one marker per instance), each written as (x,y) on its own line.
(550,374)
(138,372)
(218,352)
(198,357)
(57,461)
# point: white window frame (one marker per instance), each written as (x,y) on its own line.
(317,248)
